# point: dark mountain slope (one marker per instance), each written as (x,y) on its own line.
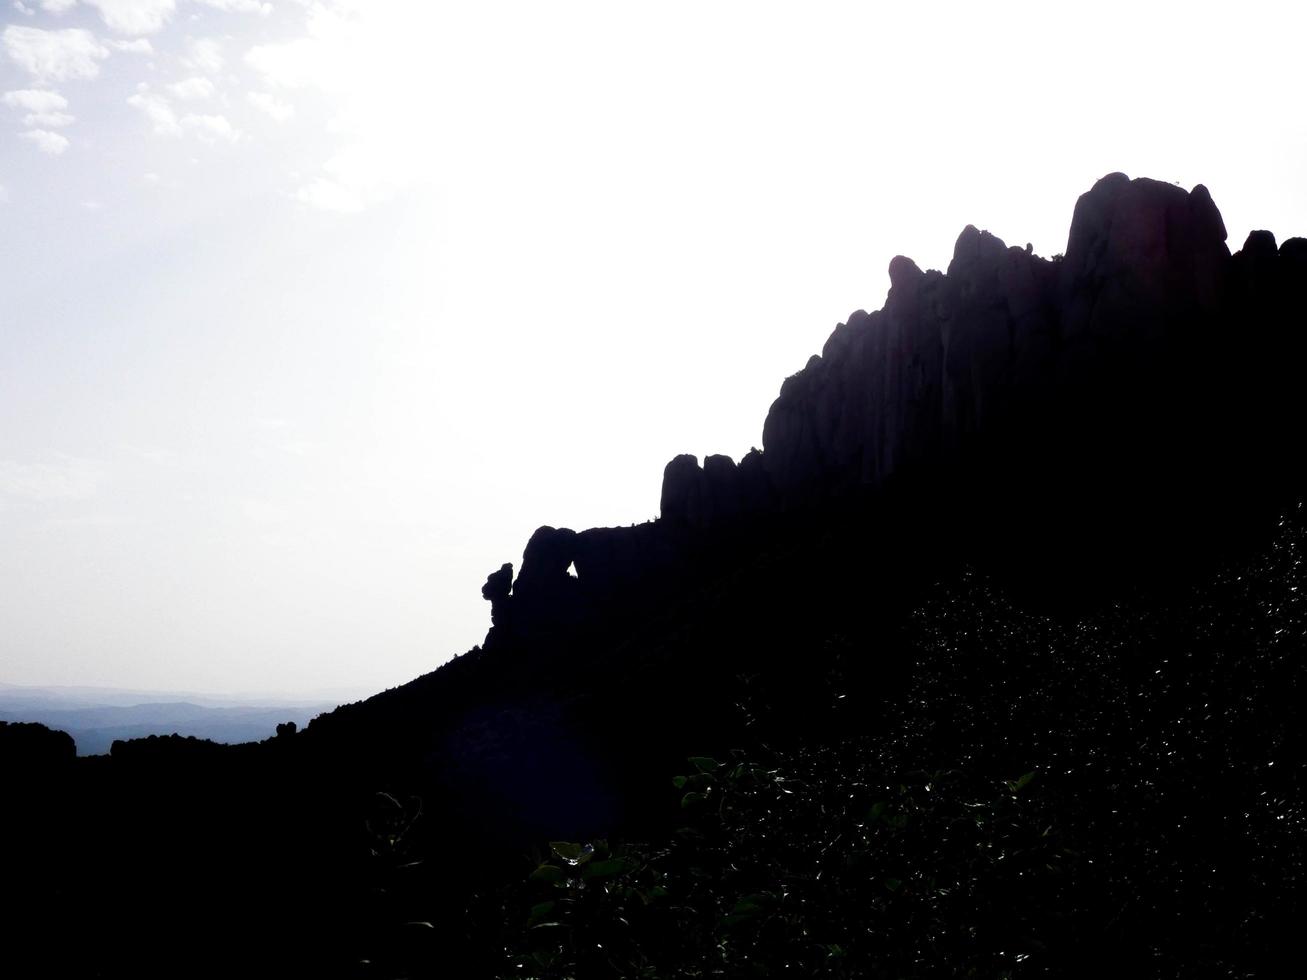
(1085,427)
(1115,424)
(1116,794)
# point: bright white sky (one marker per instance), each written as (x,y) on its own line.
(310,312)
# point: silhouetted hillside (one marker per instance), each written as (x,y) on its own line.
(28,746)
(1098,437)
(96,725)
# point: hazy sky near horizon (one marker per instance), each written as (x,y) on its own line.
(310,312)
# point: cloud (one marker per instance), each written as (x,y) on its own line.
(354,54)
(24,9)
(193,88)
(165,121)
(300,63)
(57,6)
(331,195)
(157,110)
(55,56)
(203,54)
(4,194)
(44,108)
(46,141)
(134,16)
(68,478)
(49,120)
(35,100)
(211,129)
(266,102)
(140,45)
(239,6)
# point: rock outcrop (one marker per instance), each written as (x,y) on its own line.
(1106,398)
(957,360)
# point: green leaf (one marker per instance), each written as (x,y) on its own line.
(548,873)
(743,911)
(703,763)
(572,854)
(539,911)
(606,869)
(1018,785)
(690,799)
(893,884)
(679,781)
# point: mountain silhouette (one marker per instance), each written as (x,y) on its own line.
(1117,424)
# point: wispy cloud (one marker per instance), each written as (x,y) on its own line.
(55,56)
(139,45)
(157,110)
(203,54)
(239,6)
(270,105)
(299,63)
(35,100)
(352,52)
(342,51)
(134,17)
(193,88)
(63,478)
(46,141)
(44,111)
(49,120)
(332,194)
(211,128)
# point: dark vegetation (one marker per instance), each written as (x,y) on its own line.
(988,664)
(1118,794)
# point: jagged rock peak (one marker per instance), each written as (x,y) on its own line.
(1082,377)
(716,494)
(903,272)
(545,562)
(953,357)
(1145,226)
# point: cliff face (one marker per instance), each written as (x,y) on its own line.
(956,358)
(1145,379)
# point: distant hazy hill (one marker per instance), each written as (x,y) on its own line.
(95,717)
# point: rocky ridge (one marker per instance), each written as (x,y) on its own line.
(1101,399)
